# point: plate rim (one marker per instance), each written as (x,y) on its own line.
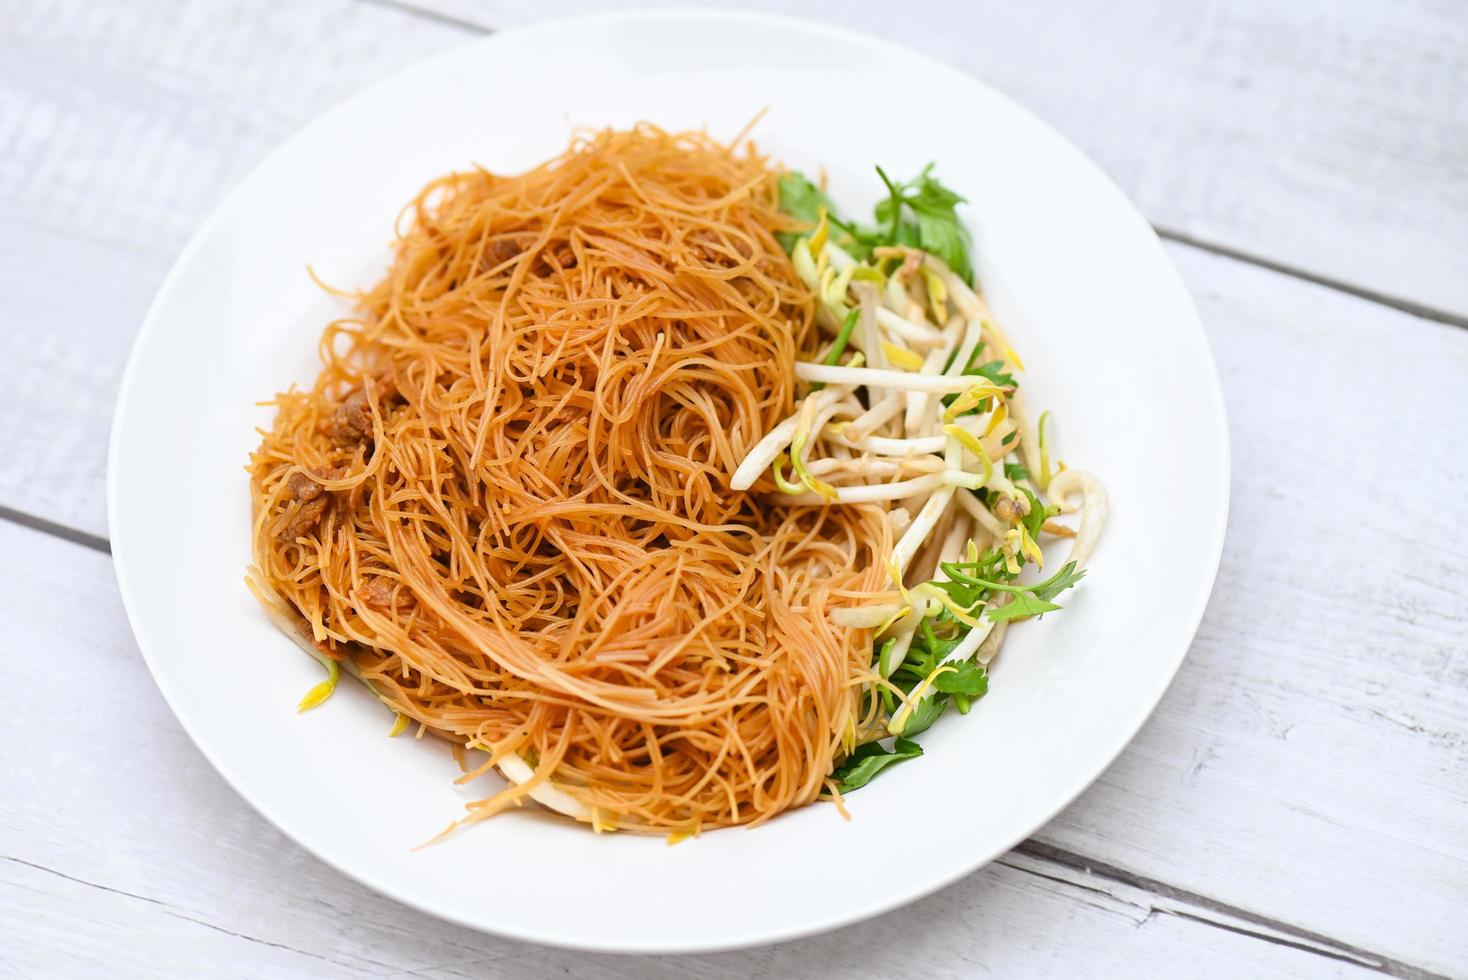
(1124,733)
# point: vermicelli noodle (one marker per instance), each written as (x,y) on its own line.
(505,504)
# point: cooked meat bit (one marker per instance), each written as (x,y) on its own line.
(308,501)
(377,593)
(305,518)
(506,247)
(305,486)
(555,260)
(383,595)
(502,250)
(301,487)
(353,421)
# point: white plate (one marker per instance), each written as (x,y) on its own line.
(1113,345)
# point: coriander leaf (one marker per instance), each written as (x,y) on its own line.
(970,679)
(923,659)
(933,225)
(924,655)
(1036,516)
(985,571)
(889,212)
(932,192)
(953,571)
(1016,471)
(941,235)
(1058,583)
(861,766)
(856,240)
(993,371)
(962,592)
(1020,606)
(910,673)
(939,230)
(929,710)
(802,200)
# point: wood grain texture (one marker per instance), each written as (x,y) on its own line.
(129,857)
(1327,135)
(1311,759)
(1310,764)
(121,126)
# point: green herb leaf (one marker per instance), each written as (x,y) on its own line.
(911,671)
(889,212)
(964,590)
(1036,516)
(856,240)
(1059,582)
(1021,606)
(933,226)
(862,766)
(994,372)
(970,679)
(929,710)
(939,230)
(803,201)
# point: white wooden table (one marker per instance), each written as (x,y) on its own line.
(1298,805)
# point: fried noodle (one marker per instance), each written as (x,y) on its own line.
(504,502)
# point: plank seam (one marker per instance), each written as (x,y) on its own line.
(1401,304)
(176,912)
(1152,911)
(402,6)
(55,530)
(1298,937)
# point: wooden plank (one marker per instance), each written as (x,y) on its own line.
(1340,601)
(1311,760)
(1308,764)
(123,854)
(1329,136)
(121,126)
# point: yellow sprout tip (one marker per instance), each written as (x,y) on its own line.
(322,691)
(819,236)
(997,416)
(902,357)
(937,294)
(967,441)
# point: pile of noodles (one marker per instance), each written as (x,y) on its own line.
(504,503)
